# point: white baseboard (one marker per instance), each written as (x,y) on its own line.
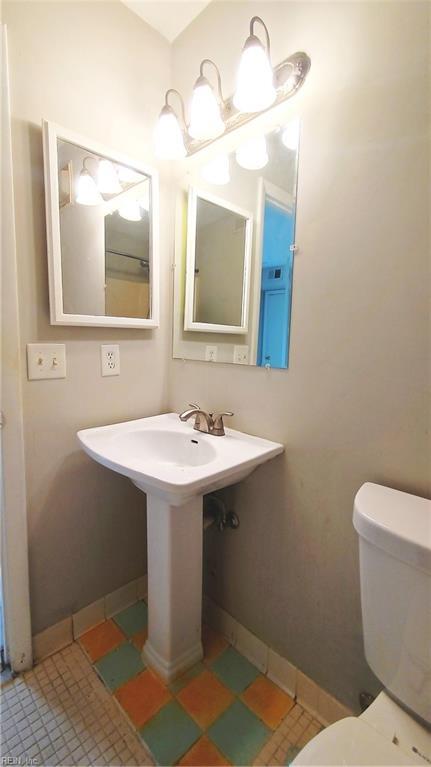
(63,633)
(313,698)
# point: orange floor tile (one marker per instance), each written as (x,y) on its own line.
(204,754)
(102,639)
(140,638)
(142,697)
(267,701)
(205,698)
(213,643)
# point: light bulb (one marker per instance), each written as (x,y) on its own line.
(290,135)
(107,179)
(128,175)
(217,171)
(130,210)
(255,81)
(87,192)
(253,154)
(205,117)
(169,138)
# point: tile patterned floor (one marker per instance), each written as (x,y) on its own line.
(221,712)
(61,714)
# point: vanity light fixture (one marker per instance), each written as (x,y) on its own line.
(107,178)
(217,171)
(255,89)
(205,113)
(169,135)
(87,192)
(258,87)
(253,154)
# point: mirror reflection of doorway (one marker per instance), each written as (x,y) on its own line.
(276,285)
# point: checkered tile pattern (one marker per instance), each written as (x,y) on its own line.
(95,703)
(222,711)
(61,714)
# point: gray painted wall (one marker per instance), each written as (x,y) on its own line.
(82,65)
(353,405)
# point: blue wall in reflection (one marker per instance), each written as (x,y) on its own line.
(276,286)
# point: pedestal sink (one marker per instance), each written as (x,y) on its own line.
(175,466)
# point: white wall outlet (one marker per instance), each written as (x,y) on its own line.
(110,359)
(240,354)
(211,353)
(46,361)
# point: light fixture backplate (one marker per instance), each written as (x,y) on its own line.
(289,76)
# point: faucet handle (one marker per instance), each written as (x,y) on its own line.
(218,425)
(194,405)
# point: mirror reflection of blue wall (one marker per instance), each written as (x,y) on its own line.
(276,285)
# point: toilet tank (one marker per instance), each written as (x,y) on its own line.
(395,565)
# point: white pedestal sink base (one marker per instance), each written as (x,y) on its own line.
(174,542)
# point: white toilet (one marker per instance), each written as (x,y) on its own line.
(395,562)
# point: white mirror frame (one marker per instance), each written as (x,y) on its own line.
(51,133)
(206,327)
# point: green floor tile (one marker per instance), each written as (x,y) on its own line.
(120,665)
(235,671)
(292,753)
(170,734)
(177,685)
(132,619)
(239,734)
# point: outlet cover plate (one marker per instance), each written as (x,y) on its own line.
(46,361)
(110,359)
(240,354)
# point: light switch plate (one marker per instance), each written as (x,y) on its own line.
(211,353)
(110,359)
(46,361)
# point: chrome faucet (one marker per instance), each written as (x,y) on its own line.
(207,423)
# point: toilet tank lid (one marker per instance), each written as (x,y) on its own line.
(397,522)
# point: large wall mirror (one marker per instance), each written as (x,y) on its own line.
(235,250)
(102,228)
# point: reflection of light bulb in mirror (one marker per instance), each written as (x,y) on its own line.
(255,81)
(253,154)
(87,192)
(290,135)
(205,117)
(107,179)
(130,210)
(168,136)
(217,171)
(128,175)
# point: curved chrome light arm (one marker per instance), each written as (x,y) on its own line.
(201,73)
(167,104)
(261,21)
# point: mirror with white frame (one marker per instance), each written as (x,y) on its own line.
(218,265)
(235,252)
(102,226)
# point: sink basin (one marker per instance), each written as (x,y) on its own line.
(175,466)
(168,458)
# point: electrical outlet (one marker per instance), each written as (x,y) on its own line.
(211,354)
(240,354)
(110,359)
(46,361)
